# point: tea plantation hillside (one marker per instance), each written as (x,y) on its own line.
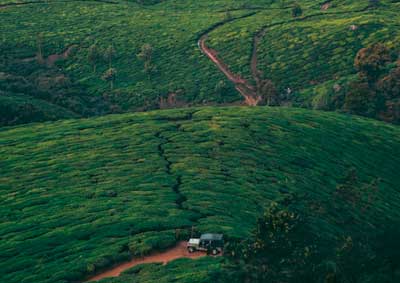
(80,195)
(96,57)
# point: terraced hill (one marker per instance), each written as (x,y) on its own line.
(80,195)
(308,54)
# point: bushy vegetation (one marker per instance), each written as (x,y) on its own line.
(285,248)
(177,64)
(80,195)
(373,91)
(203,270)
(298,54)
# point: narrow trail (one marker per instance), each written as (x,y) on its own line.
(179,251)
(248,91)
(244,87)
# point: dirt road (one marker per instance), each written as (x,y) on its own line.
(244,88)
(179,251)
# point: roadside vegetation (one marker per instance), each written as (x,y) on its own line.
(301,193)
(81,195)
(305,49)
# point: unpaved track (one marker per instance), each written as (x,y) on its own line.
(244,87)
(179,251)
(248,91)
(212,54)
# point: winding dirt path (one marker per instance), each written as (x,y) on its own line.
(179,251)
(248,91)
(244,87)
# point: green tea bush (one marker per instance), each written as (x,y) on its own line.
(224,164)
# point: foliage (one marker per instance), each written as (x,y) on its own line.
(97,191)
(109,55)
(110,76)
(360,99)
(371,61)
(279,250)
(376,93)
(297,11)
(268,92)
(146,55)
(286,248)
(93,56)
(303,53)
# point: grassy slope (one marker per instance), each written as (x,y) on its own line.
(294,53)
(79,195)
(16,105)
(203,270)
(171,31)
(301,53)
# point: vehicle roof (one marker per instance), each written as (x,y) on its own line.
(210,236)
(194,241)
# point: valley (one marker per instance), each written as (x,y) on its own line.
(129,126)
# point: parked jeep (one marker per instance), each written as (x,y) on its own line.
(211,243)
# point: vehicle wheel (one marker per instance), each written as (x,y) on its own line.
(191,250)
(214,252)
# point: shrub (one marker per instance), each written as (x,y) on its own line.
(371,61)
(297,11)
(360,99)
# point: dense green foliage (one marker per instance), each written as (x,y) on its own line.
(284,247)
(203,270)
(303,53)
(80,195)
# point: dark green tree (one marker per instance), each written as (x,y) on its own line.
(109,55)
(371,61)
(281,249)
(109,76)
(268,92)
(146,56)
(389,86)
(39,44)
(93,56)
(360,99)
(297,11)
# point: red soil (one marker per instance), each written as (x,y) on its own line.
(245,89)
(212,54)
(179,251)
(55,57)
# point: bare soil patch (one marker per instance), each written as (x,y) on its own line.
(241,85)
(179,251)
